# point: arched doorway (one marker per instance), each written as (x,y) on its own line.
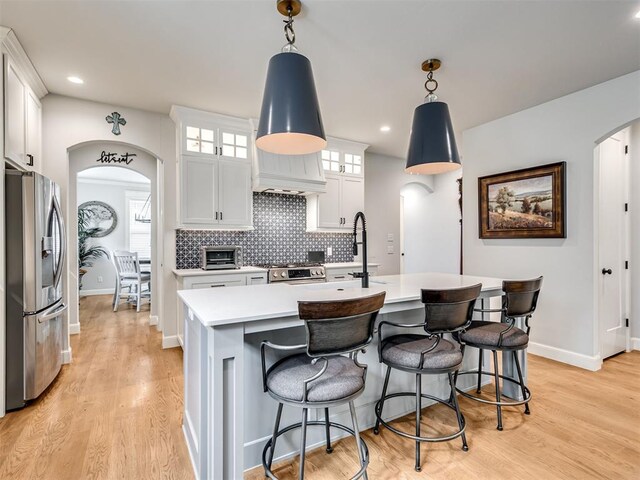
(115,155)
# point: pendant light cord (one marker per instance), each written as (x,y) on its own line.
(289,34)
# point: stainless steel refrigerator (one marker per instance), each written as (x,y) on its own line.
(35,253)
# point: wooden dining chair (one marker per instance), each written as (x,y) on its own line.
(129,277)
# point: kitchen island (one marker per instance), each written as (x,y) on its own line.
(228,418)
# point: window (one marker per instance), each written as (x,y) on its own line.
(138,233)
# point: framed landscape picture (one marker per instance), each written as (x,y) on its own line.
(527,203)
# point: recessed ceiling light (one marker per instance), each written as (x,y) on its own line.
(385,128)
(76,80)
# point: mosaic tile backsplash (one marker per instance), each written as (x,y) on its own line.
(279,236)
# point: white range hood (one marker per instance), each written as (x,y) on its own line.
(291,174)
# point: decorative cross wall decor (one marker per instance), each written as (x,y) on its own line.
(117,120)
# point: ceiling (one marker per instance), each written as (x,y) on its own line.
(499,57)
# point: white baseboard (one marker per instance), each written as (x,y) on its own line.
(66,356)
(99,291)
(74,328)
(587,362)
(153,320)
(170,341)
(635,343)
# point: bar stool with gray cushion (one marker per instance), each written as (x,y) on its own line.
(519,301)
(446,311)
(328,374)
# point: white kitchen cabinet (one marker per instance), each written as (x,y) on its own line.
(197,278)
(33,134)
(329,205)
(334,210)
(214,152)
(198,195)
(234,204)
(22,90)
(14,114)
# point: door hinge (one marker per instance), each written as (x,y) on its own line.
(626,149)
(626,207)
(626,321)
(626,264)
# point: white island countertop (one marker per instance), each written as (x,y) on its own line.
(329,266)
(222,306)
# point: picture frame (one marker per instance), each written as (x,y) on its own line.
(526,203)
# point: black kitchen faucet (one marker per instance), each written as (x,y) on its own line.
(364,275)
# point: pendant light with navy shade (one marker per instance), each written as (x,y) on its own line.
(290,121)
(432,145)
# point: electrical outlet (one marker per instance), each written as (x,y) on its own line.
(329,251)
(100,279)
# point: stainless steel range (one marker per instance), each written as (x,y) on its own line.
(296,273)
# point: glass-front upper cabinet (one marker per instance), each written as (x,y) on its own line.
(215,142)
(343,157)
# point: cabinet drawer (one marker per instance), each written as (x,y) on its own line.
(221,281)
(257,278)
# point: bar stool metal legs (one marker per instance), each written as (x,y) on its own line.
(418,412)
(327,430)
(499,401)
(376,428)
(522,386)
(274,436)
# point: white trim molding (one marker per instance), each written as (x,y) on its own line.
(580,360)
(97,291)
(153,320)
(74,329)
(635,343)
(67,356)
(170,341)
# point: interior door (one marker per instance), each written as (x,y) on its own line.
(612,246)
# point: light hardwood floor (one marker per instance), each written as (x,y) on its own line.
(583,425)
(116,413)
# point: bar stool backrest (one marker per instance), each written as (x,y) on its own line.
(448,311)
(520,296)
(339,326)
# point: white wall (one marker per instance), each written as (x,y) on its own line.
(114,194)
(384,179)
(431,226)
(564,129)
(634,150)
(68,122)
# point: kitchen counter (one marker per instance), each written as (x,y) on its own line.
(196,272)
(228,417)
(357,265)
(215,307)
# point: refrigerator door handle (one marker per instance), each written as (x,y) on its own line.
(52,312)
(63,242)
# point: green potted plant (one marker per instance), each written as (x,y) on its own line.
(87,253)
